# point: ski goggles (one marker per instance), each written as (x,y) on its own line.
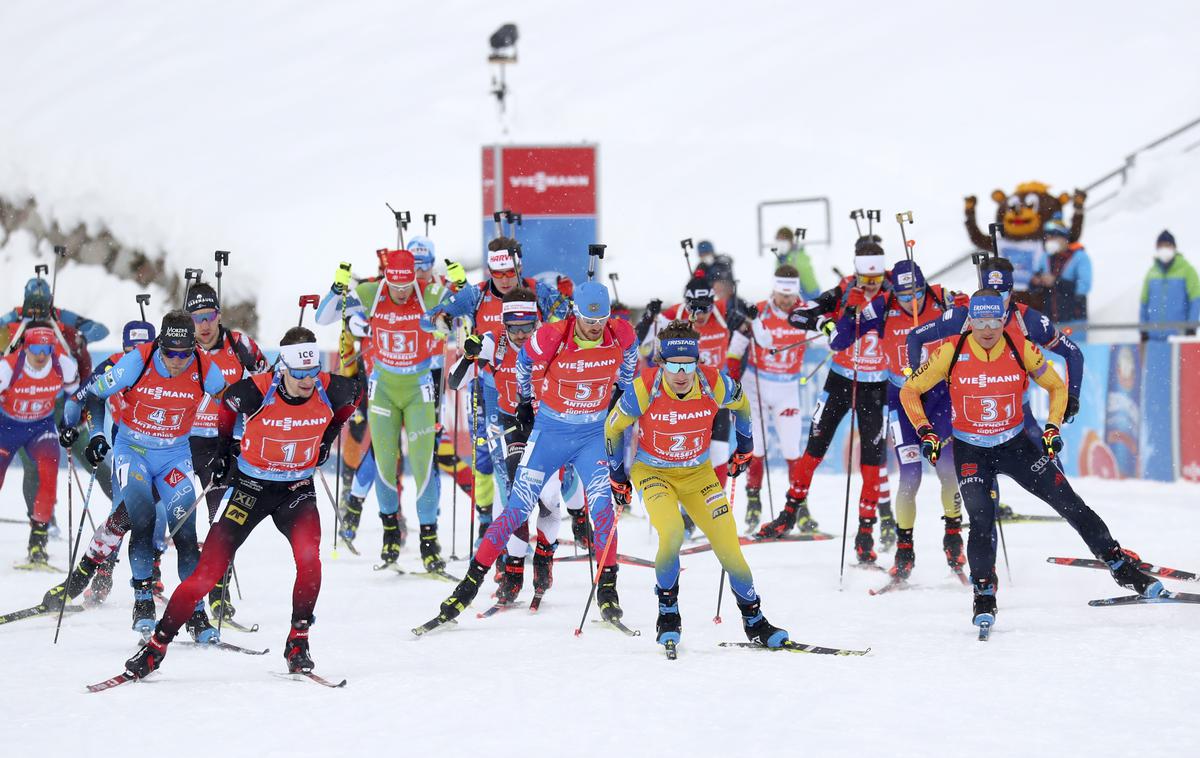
(700,307)
(673,367)
(302,373)
(421,265)
(177,355)
(986,323)
(40,349)
(206,318)
(870,280)
(906,296)
(501,274)
(520,328)
(591,321)
(301,360)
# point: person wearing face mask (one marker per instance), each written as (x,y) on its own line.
(1171,291)
(857,377)
(1066,274)
(791,253)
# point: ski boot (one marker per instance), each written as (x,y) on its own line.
(543,565)
(669,623)
(219,599)
(464,592)
(905,557)
(1124,567)
(147,660)
(512,581)
(38,536)
(143,606)
(753,508)
(579,526)
(864,541)
(295,650)
(887,528)
(76,583)
(102,582)
(785,521)
(431,551)
(1004,512)
(351,517)
(606,595)
(952,542)
(984,604)
(756,626)
(389,553)
(199,627)
(156,575)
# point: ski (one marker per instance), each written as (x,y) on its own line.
(796,647)
(868,566)
(239,627)
(440,574)
(497,608)
(1159,571)
(672,650)
(895,583)
(960,575)
(41,609)
(431,625)
(1166,597)
(44,568)
(1021,518)
(108,684)
(298,676)
(228,647)
(749,540)
(985,631)
(618,626)
(349,545)
(390,565)
(536,603)
(628,560)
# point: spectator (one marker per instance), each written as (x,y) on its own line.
(790,253)
(1065,274)
(1171,291)
(709,258)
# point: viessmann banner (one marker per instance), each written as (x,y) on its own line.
(554,188)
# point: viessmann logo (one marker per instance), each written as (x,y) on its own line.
(286,424)
(580,365)
(540,181)
(674,417)
(984,380)
(158,393)
(393,318)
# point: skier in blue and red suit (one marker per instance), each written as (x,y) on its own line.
(584,355)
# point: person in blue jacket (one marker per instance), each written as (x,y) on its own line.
(1171,291)
(1066,274)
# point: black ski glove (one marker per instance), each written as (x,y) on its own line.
(96,450)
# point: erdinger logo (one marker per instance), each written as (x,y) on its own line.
(983,380)
(581,364)
(287,423)
(674,417)
(541,181)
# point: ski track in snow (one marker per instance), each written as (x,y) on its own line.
(1057,678)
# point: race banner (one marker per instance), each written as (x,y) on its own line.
(1122,416)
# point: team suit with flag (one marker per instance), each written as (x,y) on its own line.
(672,468)
(151,455)
(400,393)
(585,356)
(31,381)
(987,371)
(771,381)
(482,304)
(908,285)
(282,434)
(858,377)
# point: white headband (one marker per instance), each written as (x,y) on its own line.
(301,356)
(787,285)
(521,307)
(870,265)
(500,260)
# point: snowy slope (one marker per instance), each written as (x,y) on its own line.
(278,134)
(1057,678)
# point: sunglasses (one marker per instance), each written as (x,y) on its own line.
(205,318)
(591,321)
(40,349)
(700,308)
(680,368)
(178,355)
(303,373)
(986,323)
(871,280)
(506,274)
(423,266)
(519,328)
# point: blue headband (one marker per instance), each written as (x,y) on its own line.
(986,306)
(679,347)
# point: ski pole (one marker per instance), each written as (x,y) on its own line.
(612,537)
(222,258)
(721,584)
(337,521)
(474,465)
(762,423)
(402,219)
(454,475)
(78,535)
(804,379)
(179,524)
(613,278)
(855,215)
(79,484)
(850,463)
(908,253)
(143,300)
(595,254)
(1003,544)
(305,301)
(685,244)
(785,348)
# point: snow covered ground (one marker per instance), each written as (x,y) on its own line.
(1057,678)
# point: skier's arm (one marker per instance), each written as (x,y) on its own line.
(92,331)
(343,395)
(552,303)
(243,397)
(935,370)
(735,400)
(948,325)
(629,360)
(1044,374)
(466,369)
(70,371)
(258,361)
(462,303)
(330,309)
(627,410)
(539,347)
(1044,333)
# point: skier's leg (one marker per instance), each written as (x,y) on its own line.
(704,498)
(299,521)
(662,505)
